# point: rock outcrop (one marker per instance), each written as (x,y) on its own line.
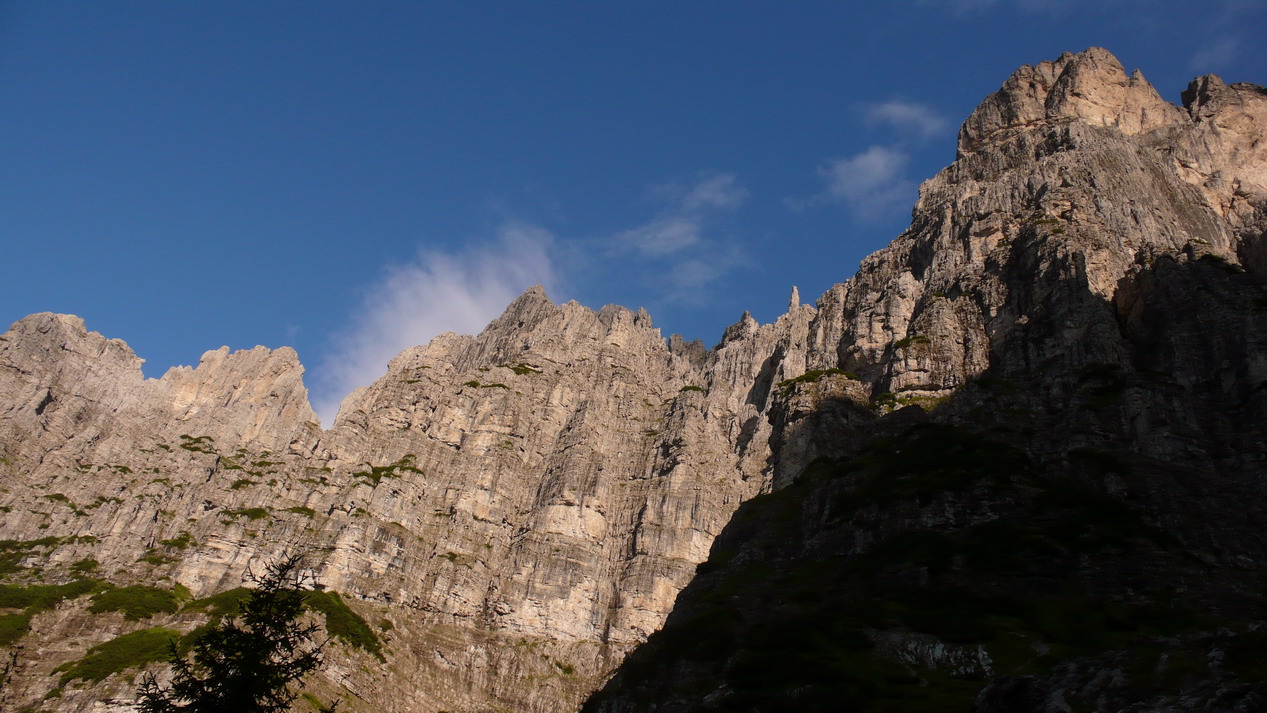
(512,513)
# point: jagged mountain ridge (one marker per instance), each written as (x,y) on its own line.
(551,482)
(575,468)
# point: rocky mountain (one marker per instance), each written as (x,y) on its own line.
(1077,524)
(1016,460)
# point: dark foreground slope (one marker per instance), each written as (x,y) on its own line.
(1079,525)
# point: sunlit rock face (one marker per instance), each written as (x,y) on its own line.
(513,512)
(521,506)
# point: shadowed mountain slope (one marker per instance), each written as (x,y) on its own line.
(1076,524)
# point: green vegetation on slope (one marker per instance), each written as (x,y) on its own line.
(342,623)
(32,599)
(136,602)
(130,650)
(138,648)
(376,473)
(12,552)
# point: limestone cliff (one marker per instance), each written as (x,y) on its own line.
(1075,523)
(513,512)
(521,506)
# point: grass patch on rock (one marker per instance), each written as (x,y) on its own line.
(12,552)
(135,602)
(131,650)
(197,444)
(375,473)
(248,513)
(344,624)
(182,541)
(32,599)
(13,627)
(813,375)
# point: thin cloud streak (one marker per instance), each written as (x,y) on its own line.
(1216,55)
(662,236)
(870,184)
(435,293)
(686,281)
(680,225)
(911,117)
(1223,40)
(677,233)
(720,191)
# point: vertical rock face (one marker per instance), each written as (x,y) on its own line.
(522,506)
(514,512)
(1080,296)
(1073,172)
(263,388)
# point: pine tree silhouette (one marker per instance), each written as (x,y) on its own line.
(245,663)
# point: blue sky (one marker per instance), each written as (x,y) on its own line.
(350,178)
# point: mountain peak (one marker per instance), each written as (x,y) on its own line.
(1090,86)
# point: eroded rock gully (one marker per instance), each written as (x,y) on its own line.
(514,512)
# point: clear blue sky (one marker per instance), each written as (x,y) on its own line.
(350,177)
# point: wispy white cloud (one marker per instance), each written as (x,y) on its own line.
(1217,54)
(1218,45)
(687,281)
(910,117)
(677,252)
(679,224)
(437,292)
(679,246)
(873,183)
(870,184)
(662,236)
(720,191)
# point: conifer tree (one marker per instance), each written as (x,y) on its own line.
(245,663)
